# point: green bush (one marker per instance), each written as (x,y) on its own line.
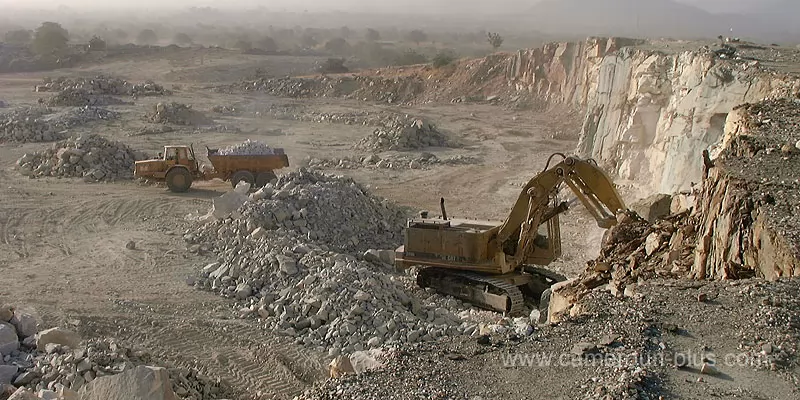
(444,58)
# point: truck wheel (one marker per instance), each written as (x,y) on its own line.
(240,176)
(179,180)
(264,178)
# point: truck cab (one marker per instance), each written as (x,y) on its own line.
(173,155)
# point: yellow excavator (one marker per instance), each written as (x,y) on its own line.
(499,265)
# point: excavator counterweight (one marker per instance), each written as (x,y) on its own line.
(496,265)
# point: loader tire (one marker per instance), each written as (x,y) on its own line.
(264,178)
(179,180)
(242,176)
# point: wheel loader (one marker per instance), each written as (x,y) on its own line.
(500,265)
(178,167)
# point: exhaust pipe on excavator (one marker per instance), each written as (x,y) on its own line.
(444,212)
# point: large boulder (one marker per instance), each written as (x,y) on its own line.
(9,341)
(7,373)
(23,394)
(58,336)
(140,383)
(6,312)
(25,323)
(653,207)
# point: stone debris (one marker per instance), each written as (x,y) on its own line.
(394,90)
(423,161)
(56,361)
(72,97)
(178,114)
(139,383)
(152,130)
(41,125)
(634,250)
(293,257)
(102,85)
(226,110)
(404,135)
(249,148)
(91,157)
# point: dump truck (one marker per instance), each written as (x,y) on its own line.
(178,167)
(501,266)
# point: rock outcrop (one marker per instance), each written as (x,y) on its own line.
(747,209)
(649,113)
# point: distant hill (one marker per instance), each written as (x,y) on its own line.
(660,18)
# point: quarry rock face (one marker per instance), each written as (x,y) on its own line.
(648,114)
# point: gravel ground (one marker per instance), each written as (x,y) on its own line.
(617,349)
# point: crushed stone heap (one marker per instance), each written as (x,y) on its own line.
(295,257)
(56,359)
(92,157)
(248,148)
(423,161)
(177,113)
(401,134)
(72,97)
(102,85)
(39,124)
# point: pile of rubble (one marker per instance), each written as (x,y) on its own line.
(249,148)
(40,125)
(634,250)
(177,113)
(300,256)
(402,134)
(423,161)
(92,157)
(102,85)
(226,110)
(72,97)
(397,89)
(25,125)
(56,362)
(295,113)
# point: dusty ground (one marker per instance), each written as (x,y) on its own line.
(64,240)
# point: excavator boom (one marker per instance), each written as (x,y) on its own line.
(587,181)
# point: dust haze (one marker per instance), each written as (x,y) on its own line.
(764,21)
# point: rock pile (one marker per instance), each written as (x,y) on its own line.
(38,125)
(72,97)
(177,113)
(56,359)
(25,125)
(634,250)
(424,161)
(295,257)
(397,89)
(249,148)
(102,85)
(295,113)
(89,156)
(399,134)
(226,110)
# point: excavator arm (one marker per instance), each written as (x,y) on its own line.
(536,203)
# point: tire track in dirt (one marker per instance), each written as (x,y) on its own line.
(248,358)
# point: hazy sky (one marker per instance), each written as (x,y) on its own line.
(415,5)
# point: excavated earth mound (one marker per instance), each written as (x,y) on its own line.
(102,85)
(91,157)
(42,125)
(301,257)
(177,113)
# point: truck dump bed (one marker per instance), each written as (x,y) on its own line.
(227,165)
